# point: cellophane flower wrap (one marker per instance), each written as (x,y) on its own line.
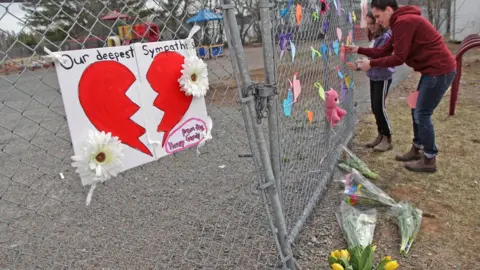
(357,226)
(360,191)
(349,161)
(409,220)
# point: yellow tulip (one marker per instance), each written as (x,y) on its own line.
(391,265)
(337,266)
(345,255)
(388,258)
(336,254)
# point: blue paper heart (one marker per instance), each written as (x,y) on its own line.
(288,104)
(336,47)
(324,49)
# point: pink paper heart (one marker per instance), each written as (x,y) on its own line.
(297,88)
(339,34)
(412,99)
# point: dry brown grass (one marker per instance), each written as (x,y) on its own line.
(451,239)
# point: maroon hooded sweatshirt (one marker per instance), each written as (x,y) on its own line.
(415,42)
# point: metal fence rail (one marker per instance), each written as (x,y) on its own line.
(238,205)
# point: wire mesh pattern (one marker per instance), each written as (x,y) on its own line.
(180,212)
(309,151)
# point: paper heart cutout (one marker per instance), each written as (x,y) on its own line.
(412,99)
(163,75)
(101,92)
(323,48)
(336,47)
(339,34)
(288,104)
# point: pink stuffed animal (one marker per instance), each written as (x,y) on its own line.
(334,114)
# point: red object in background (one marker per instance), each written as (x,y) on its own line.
(163,75)
(101,92)
(343,53)
(149,31)
(470,42)
(113,15)
(360,33)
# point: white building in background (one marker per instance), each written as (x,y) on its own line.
(465,19)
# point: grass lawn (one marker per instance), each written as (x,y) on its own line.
(450,239)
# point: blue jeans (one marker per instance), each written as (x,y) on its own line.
(431,90)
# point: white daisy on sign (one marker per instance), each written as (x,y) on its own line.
(194,79)
(206,136)
(101,158)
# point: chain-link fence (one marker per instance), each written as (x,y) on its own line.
(309,144)
(233,207)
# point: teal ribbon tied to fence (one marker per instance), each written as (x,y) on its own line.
(321,91)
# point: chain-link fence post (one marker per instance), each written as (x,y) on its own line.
(266,28)
(280,230)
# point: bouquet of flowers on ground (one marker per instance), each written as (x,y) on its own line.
(357,226)
(349,161)
(359,258)
(409,220)
(360,191)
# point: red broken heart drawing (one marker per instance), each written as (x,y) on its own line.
(163,76)
(101,92)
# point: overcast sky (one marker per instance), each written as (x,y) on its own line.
(9,22)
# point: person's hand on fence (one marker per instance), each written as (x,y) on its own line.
(351,48)
(363,64)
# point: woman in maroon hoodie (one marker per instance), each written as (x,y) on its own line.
(418,44)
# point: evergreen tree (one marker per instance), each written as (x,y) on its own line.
(78,18)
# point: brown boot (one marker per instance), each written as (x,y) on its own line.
(375,142)
(385,145)
(428,165)
(412,154)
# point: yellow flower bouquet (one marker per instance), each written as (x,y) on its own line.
(359,258)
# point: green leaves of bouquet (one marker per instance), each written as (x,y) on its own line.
(359,258)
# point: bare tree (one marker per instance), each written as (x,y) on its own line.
(248,16)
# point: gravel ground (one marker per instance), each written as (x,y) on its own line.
(180,212)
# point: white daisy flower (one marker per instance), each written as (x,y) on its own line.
(206,136)
(194,79)
(100,159)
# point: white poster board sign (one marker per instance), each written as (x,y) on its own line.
(134,93)
(174,121)
(101,91)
